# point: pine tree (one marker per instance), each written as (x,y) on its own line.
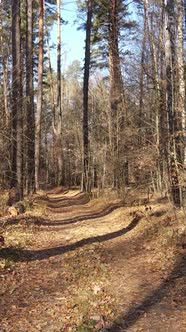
(86,171)
(29,98)
(39,96)
(16,100)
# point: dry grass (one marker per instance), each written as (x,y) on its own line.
(3,203)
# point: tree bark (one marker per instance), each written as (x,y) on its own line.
(5,92)
(86,176)
(180,106)
(163,116)
(51,78)
(117,99)
(142,64)
(16,99)
(59,104)
(29,98)
(180,126)
(170,47)
(39,97)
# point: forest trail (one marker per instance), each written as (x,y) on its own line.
(94,266)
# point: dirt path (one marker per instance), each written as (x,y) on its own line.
(94,266)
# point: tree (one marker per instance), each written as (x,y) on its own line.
(29,97)
(58,115)
(16,100)
(175,91)
(39,96)
(86,176)
(117,99)
(180,88)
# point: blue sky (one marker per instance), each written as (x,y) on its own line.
(72,40)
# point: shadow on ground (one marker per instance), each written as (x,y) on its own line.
(57,190)
(136,312)
(92,215)
(38,221)
(30,255)
(60,196)
(59,202)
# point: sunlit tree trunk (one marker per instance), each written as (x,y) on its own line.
(155,51)
(16,99)
(5,91)
(4,55)
(170,62)
(142,72)
(59,104)
(163,116)
(29,98)
(117,101)
(51,78)
(39,96)
(180,105)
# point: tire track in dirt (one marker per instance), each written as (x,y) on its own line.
(93,259)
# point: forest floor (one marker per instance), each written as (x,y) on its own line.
(80,265)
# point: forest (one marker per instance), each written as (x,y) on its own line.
(93,167)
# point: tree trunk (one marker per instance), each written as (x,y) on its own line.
(39,96)
(5,92)
(156,83)
(59,105)
(142,63)
(29,98)
(163,116)
(117,100)
(170,46)
(16,99)
(51,79)
(86,171)
(4,56)
(180,126)
(180,105)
